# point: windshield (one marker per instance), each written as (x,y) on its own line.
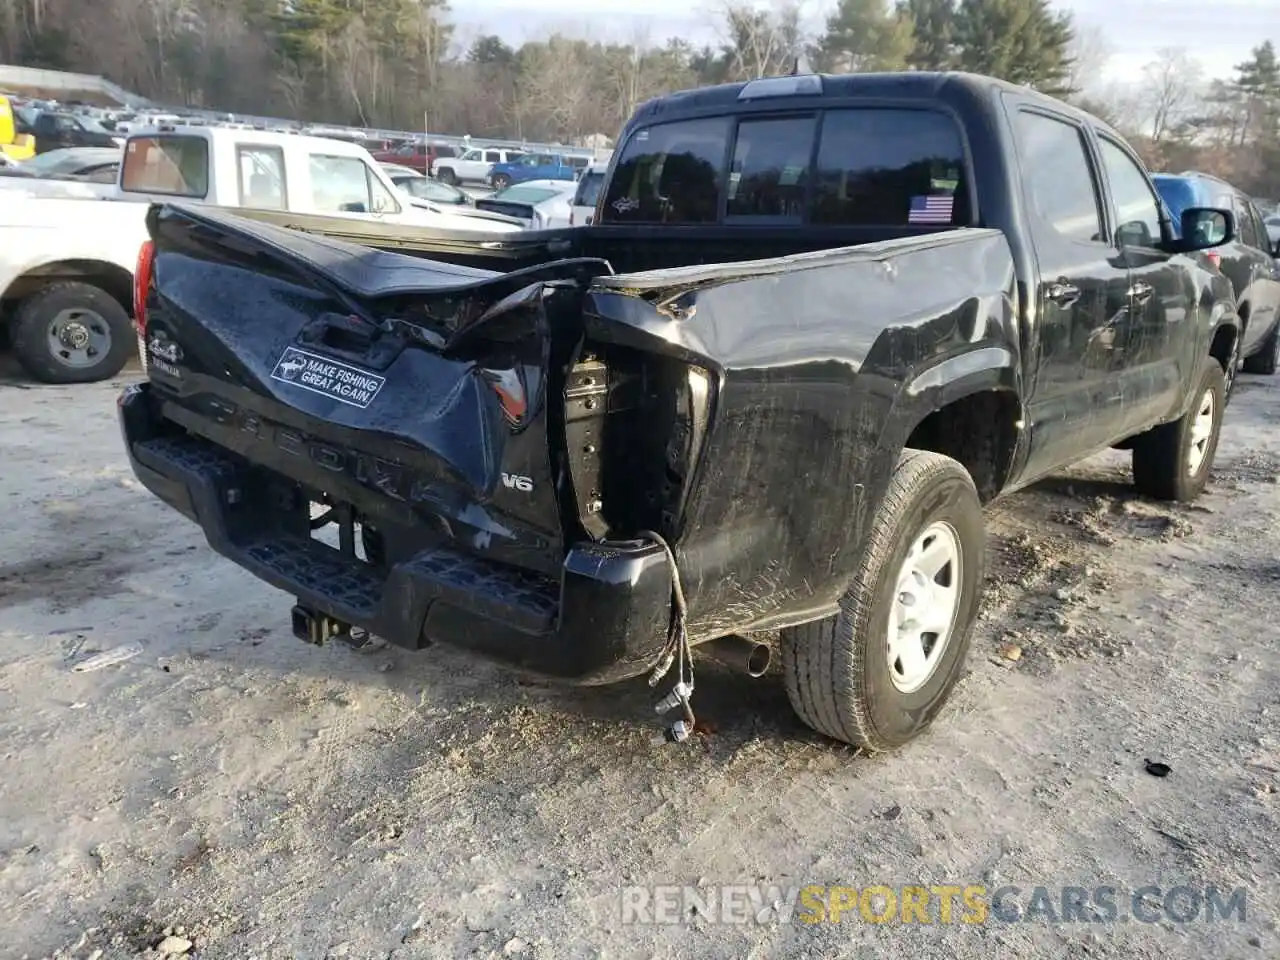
(425,189)
(93,126)
(589,188)
(526,194)
(1177,194)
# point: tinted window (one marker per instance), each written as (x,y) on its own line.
(492,156)
(669,173)
(172,165)
(444,151)
(1057,176)
(261,177)
(1137,209)
(770,169)
(890,168)
(1177,195)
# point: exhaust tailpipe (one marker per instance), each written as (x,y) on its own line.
(738,653)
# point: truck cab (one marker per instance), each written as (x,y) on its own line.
(274,171)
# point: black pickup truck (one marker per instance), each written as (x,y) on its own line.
(818,321)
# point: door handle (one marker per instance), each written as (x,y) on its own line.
(1141,291)
(1062,293)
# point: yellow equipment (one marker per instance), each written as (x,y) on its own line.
(17,146)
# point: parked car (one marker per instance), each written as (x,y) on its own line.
(63,258)
(1273,231)
(531,166)
(418,155)
(537,204)
(94,164)
(587,195)
(1248,261)
(847,310)
(54,131)
(474,165)
(429,194)
(422,187)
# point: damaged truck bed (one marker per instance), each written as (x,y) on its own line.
(757,395)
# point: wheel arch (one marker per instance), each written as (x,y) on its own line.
(104,274)
(968,408)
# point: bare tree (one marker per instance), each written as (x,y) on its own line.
(1090,52)
(760,42)
(1171,88)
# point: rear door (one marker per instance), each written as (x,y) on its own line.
(1156,349)
(1080,295)
(1257,290)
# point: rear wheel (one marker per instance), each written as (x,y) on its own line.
(876,674)
(501,181)
(1267,359)
(72,332)
(446,175)
(1173,461)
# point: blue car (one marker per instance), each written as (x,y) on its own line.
(1248,261)
(532,166)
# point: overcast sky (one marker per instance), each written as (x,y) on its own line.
(1219,33)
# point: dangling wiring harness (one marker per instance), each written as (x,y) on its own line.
(677,648)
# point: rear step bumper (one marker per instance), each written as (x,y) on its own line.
(605,620)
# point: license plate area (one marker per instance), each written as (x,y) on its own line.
(340,527)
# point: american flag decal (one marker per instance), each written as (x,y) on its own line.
(931,210)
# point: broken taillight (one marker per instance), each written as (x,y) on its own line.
(142,285)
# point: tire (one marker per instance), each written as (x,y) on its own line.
(447,176)
(501,182)
(82,313)
(1266,359)
(840,675)
(1164,466)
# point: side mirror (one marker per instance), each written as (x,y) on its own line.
(1275,249)
(1204,227)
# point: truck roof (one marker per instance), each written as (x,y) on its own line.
(812,90)
(264,138)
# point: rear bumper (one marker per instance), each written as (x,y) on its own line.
(605,620)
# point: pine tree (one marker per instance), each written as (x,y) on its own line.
(933,25)
(865,35)
(1022,41)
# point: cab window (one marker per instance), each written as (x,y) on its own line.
(261,172)
(1137,208)
(172,165)
(347,185)
(669,173)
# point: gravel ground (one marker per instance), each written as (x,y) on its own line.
(245,795)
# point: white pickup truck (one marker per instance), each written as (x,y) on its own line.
(67,259)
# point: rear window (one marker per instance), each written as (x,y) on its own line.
(523,194)
(882,167)
(589,188)
(670,173)
(173,165)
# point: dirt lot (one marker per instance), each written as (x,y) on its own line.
(275,800)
